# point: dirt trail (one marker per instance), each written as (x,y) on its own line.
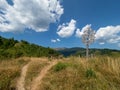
(21,81)
(37,80)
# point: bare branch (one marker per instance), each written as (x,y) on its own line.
(88,38)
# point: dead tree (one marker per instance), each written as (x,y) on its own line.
(88,37)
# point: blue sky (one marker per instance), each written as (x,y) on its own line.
(70,16)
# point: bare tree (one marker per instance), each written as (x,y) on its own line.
(88,37)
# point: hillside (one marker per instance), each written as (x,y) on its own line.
(76,51)
(10,48)
(21,70)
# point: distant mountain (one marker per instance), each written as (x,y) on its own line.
(75,51)
(58,49)
(10,48)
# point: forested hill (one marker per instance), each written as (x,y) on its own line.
(10,48)
(76,51)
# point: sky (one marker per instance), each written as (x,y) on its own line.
(61,23)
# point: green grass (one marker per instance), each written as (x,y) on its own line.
(90,73)
(60,66)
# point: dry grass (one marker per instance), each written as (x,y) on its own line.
(99,73)
(9,72)
(73,73)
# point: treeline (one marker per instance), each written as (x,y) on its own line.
(76,51)
(10,48)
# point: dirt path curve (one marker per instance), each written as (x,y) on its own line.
(37,80)
(21,81)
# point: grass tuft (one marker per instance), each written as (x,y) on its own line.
(60,66)
(90,73)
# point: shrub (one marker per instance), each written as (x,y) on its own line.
(60,66)
(90,73)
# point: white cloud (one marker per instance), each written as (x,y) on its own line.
(108,34)
(55,40)
(58,39)
(101,43)
(67,29)
(33,14)
(79,33)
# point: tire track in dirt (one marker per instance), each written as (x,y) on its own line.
(37,81)
(21,81)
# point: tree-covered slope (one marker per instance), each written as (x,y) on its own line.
(10,48)
(82,51)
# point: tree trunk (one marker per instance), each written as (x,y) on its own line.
(87,51)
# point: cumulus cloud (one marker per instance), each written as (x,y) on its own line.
(58,39)
(32,14)
(66,29)
(55,40)
(108,34)
(79,33)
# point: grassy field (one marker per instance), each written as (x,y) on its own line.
(73,73)
(99,73)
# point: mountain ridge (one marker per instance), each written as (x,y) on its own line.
(75,51)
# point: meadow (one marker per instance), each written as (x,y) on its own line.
(98,73)
(72,73)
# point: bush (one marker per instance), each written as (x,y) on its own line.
(90,73)
(60,66)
